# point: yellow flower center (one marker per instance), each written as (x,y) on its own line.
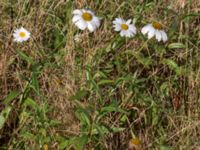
(87,16)
(135,141)
(157,25)
(22,34)
(124,26)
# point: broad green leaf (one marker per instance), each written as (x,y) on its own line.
(108,109)
(25,57)
(146,61)
(170,63)
(64,144)
(79,95)
(80,142)
(12,95)
(102,82)
(4,115)
(117,129)
(30,102)
(28,136)
(83,116)
(102,129)
(176,46)
(35,83)
(111,108)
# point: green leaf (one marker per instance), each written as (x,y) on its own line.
(102,129)
(25,57)
(77,143)
(83,116)
(4,115)
(176,46)
(111,108)
(102,82)
(30,102)
(146,61)
(117,129)
(108,109)
(172,65)
(12,95)
(79,95)
(35,83)
(162,147)
(28,136)
(190,15)
(80,142)
(64,144)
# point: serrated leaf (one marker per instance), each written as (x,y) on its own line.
(170,63)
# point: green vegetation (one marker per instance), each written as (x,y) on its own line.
(102,90)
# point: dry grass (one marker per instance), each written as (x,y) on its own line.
(66,68)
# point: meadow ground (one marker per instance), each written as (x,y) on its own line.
(70,89)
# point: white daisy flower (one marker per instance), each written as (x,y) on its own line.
(155,29)
(124,27)
(85,19)
(21,35)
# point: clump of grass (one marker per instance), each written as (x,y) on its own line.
(102,90)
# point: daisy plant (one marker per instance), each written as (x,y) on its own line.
(125,28)
(85,19)
(21,35)
(155,29)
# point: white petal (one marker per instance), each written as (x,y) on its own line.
(123,33)
(128,21)
(158,35)
(96,21)
(164,36)
(117,27)
(146,29)
(151,33)
(132,28)
(91,27)
(129,34)
(76,18)
(90,12)
(77,12)
(115,22)
(118,21)
(81,24)
(132,34)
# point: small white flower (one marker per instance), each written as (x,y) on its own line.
(85,19)
(21,35)
(155,29)
(124,27)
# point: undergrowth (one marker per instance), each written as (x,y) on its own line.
(101,91)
